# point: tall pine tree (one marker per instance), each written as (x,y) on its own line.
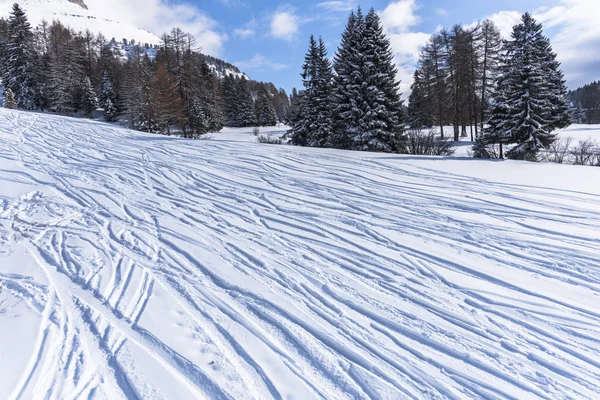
(245,104)
(19,73)
(89,102)
(530,100)
(369,108)
(265,112)
(314,124)
(348,82)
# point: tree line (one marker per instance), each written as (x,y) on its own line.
(586,103)
(507,92)
(454,79)
(501,92)
(159,89)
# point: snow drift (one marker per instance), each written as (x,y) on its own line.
(139,266)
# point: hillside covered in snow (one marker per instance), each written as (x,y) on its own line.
(90,14)
(99,17)
(144,266)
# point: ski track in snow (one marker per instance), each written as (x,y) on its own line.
(169,268)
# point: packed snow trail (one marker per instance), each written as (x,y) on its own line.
(141,266)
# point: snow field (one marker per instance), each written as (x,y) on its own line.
(143,266)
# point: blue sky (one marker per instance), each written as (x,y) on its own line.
(267,39)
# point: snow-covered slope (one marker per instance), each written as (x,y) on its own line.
(144,266)
(93,17)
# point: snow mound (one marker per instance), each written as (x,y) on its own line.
(140,266)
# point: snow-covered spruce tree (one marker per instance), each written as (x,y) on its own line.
(89,102)
(314,123)
(369,109)
(9,100)
(347,83)
(212,98)
(265,112)
(302,125)
(530,99)
(321,135)
(204,114)
(107,98)
(229,91)
(19,64)
(244,104)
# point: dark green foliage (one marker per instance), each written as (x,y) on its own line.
(19,63)
(530,100)
(368,114)
(313,126)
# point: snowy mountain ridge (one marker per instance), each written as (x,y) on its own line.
(80,16)
(91,14)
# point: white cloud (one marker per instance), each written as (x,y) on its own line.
(398,18)
(574,32)
(284,24)
(159,16)
(243,33)
(441,11)
(337,5)
(575,37)
(260,63)
(504,20)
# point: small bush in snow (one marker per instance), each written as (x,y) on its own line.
(268,139)
(9,100)
(427,144)
(585,153)
(255,131)
(558,152)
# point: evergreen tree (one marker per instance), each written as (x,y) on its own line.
(19,73)
(89,102)
(323,88)
(110,111)
(204,112)
(229,91)
(369,107)
(314,124)
(137,93)
(418,116)
(244,104)
(281,102)
(294,111)
(211,98)
(307,108)
(108,98)
(530,99)
(265,112)
(348,82)
(9,100)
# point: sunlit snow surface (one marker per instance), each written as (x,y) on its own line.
(143,266)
